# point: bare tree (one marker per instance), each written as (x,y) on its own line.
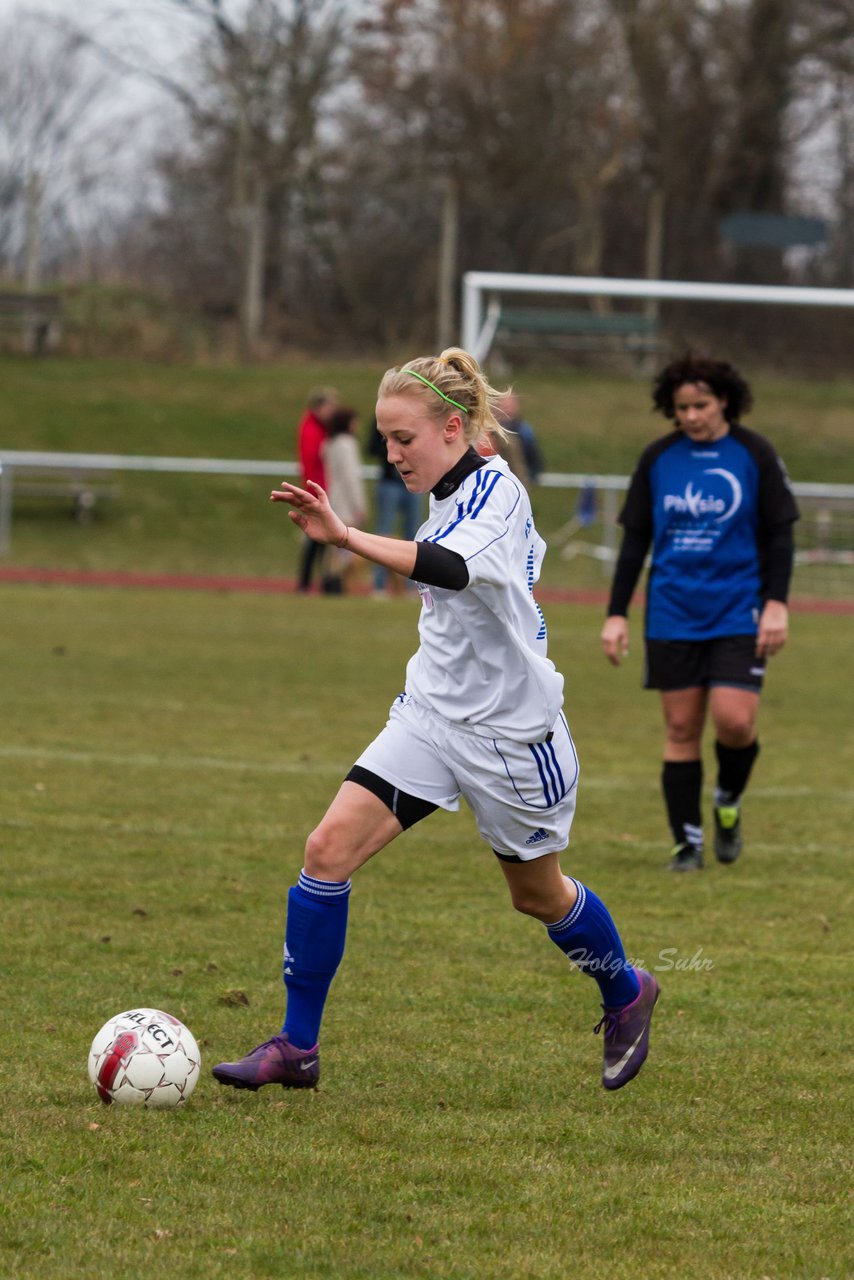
(516,106)
(56,151)
(262,77)
(325,168)
(719,90)
(251,83)
(822,126)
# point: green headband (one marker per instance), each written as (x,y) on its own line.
(433,387)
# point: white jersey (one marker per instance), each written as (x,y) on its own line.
(482,661)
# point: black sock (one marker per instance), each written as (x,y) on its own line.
(682,784)
(734,765)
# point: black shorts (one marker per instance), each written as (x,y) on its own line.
(687,664)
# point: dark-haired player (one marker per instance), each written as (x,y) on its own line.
(714,501)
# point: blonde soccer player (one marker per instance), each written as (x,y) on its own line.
(480,718)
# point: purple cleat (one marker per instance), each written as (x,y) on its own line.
(627,1034)
(275,1061)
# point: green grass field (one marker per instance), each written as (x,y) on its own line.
(588,423)
(164,756)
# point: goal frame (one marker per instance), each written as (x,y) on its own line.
(483,290)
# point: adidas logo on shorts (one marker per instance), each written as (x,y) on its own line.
(537,837)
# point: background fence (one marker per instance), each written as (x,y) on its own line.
(824,563)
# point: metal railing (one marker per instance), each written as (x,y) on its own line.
(598,501)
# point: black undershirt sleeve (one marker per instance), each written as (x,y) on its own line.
(439,567)
(778,558)
(627,571)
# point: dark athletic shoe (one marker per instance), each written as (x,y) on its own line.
(686,857)
(627,1034)
(727,832)
(275,1061)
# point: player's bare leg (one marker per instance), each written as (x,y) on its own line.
(539,888)
(356,825)
(734,713)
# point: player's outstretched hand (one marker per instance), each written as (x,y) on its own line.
(312,512)
(615,639)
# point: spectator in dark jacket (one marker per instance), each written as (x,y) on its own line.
(510,418)
(396,506)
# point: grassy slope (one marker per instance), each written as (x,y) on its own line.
(163,757)
(588,423)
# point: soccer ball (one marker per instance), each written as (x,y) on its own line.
(144,1058)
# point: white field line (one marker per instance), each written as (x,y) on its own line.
(447,835)
(176,764)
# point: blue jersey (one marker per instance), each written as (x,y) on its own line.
(708,509)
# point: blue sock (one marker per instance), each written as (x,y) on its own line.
(588,937)
(314,944)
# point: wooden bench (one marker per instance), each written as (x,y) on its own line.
(68,484)
(552,328)
(35,318)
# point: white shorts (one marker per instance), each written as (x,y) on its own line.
(522,794)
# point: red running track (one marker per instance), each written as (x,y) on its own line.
(286,586)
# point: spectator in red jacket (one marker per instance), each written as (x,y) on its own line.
(322,403)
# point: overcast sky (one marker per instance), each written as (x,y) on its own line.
(144,32)
(152,34)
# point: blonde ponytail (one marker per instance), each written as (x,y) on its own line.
(451,380)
